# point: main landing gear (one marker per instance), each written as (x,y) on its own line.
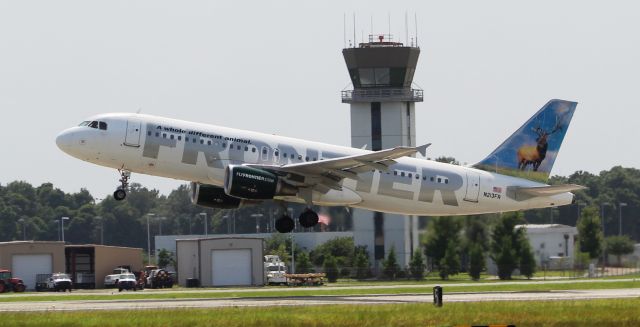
(308,218)
(121,192)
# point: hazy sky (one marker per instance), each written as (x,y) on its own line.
(277,67)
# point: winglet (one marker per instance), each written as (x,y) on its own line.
(423,149)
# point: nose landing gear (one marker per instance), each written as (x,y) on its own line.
(121,192)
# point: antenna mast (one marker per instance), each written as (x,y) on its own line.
(416,20)
(354,30)
(344,30)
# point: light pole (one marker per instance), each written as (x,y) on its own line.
(604,250)
(24,228)
(149,239)
(620,205)
(206,229)
(293,253)
(602,205)
(551,214)
(99,218)
(580,205)
(62,226)
(257,216)
(228,222)
(160,219)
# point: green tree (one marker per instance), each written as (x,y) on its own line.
(390,266)
(619,246)
(417,266)
(449,160)
(590,233)
(440,232)
(450,263)
(331,269)
(341,248)
(476,261)
(361,262)
(165,258)
(303,264)
(527,260)
(506,242)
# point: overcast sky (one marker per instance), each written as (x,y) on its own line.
(277,67)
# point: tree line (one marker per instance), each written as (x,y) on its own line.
(611,202)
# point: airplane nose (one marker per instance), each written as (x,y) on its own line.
(64,140)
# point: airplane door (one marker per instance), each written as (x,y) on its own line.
(132,138)
(473,187)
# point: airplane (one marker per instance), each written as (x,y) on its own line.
(229,168)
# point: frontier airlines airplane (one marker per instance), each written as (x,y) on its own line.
(229,168)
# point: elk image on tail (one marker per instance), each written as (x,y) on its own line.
(534,154)
(531,151)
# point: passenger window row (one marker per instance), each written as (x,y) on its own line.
(202,141)
(246,148)
(417,176)
(276,153)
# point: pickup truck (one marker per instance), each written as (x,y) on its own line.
(54,282)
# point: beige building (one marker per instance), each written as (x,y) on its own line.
(221,261)
(27,259)
(86,264)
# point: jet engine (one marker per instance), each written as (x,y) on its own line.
(213,197)
(255,184)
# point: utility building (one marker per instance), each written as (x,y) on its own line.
(383,116)
(221,261)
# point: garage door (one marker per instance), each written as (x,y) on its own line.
(27,266)
(231,267)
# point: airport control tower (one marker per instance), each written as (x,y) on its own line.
(383,116)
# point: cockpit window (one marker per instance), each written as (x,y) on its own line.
(95,124)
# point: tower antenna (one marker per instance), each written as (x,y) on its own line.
(389,20)
(406,28)
(354,30)
(344,29)
(416,20)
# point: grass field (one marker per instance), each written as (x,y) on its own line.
(544,313)
(335,291)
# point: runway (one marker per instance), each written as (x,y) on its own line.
(35,306)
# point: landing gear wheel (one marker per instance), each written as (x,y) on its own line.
(285,224)
(119,194)
(308,218)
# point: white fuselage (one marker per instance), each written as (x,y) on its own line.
(199,153)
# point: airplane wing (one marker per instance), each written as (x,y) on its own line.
(326,174)
(549,190)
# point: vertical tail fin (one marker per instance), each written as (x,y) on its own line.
(531,151)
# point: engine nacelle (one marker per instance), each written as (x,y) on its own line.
(213,197)
(254,184)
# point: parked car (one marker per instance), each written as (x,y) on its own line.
(160,278)
(127,282)
(59,282)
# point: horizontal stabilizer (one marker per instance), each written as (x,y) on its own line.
(549,190)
